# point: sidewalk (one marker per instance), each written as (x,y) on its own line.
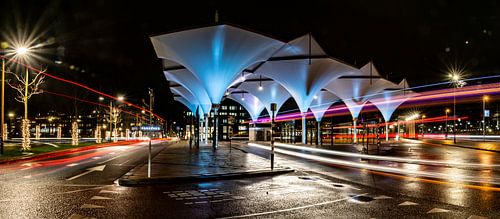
(179,164)
(493,146)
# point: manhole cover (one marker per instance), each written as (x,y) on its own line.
(361,198)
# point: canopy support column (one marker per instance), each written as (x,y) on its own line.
(304,130)
(318,135)
(205,136)
(386,131)
(215,134)
(355,139)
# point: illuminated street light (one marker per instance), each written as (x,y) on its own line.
(22,50)
(423,127)
(101,98)
(121,98)
(485,98)
(455,78)
(446,123)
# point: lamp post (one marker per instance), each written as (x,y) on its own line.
(423,127)
(446,123)
(485,98)
(457,82)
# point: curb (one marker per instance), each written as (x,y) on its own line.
(125,181)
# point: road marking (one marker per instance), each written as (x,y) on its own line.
(292,209)
(77,216)
(109,191)
(476,217)
(110,159)
(407,203)
(96,158)
(72,164)
(437,210)
(89,170)
(382,197)
(91,206)
(96,197)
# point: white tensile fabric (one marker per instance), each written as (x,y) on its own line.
(189,97)
(192,84)
(250,102)
(391,98)
(322,101)
(356,90)
(189,105)
(271,91)
(215,54)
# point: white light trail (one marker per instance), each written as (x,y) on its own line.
(387,158)
(409,172)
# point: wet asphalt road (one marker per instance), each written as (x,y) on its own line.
(315,190)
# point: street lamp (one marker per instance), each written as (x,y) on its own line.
(485,98)
(446,123)
(423,128)
(455,78)
(20,51)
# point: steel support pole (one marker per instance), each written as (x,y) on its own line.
(304,130)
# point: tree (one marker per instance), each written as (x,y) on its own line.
(26,88)
(113,115)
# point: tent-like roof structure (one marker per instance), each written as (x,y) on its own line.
(250,102)
(215,53)
(355,90)
(303,69)
(271,91)
(321,102)
(192,84)
(189,105)
(188,97)
(388,100)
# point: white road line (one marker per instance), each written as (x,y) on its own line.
(406,203)
(89,170)
(293,209)
(96,197)
(72,164)
(109,191)
(437,210)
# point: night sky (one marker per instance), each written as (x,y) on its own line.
(107,42)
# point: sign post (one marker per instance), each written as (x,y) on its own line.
(273,109)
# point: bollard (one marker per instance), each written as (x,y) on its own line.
(149,160)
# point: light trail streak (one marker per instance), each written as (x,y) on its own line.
(94,103)
(409,172)
(386,158)
(80,85)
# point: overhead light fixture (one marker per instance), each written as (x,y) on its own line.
(260,83)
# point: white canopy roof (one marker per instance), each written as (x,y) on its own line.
(321,102)
(391,98)
(216,53)
(189,97)
(355,90)
(303,75)
(250,102)
(271,92)
(188,104)
(193,85)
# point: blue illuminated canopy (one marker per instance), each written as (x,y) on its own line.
(216,55)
